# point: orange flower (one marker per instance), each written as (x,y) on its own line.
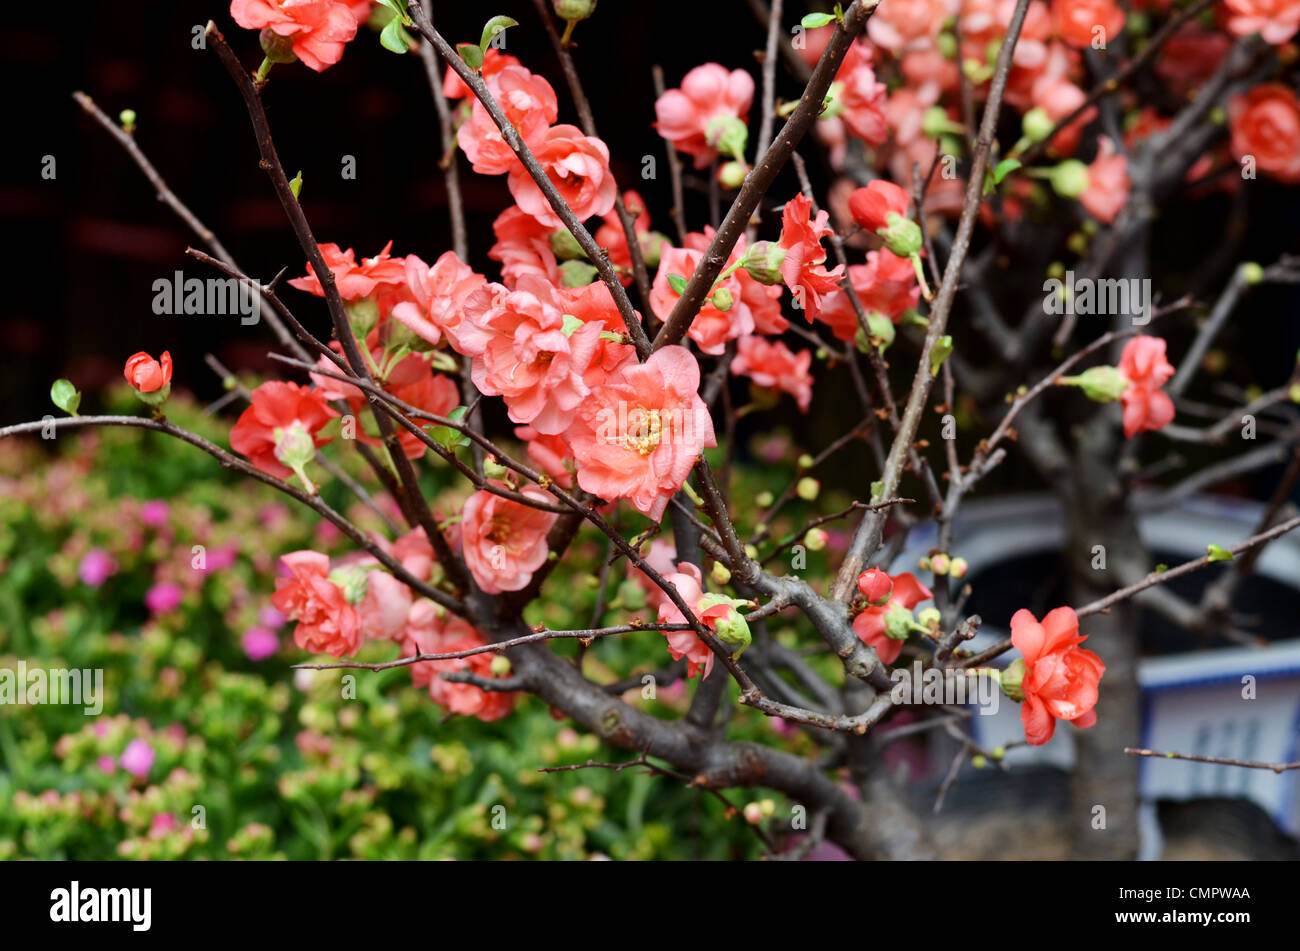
(1060,678)
(147,374)
(1265,123)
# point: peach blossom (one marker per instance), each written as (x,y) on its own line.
(771,363)
(577,165)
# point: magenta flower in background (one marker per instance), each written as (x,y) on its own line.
(137,758)
(154,513)
(162,823)
(107,764)
(163,597)
(260,643)
(270,617)
(96,567)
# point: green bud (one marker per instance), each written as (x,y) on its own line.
(728,134)
(762,262)
(731,628)
(632,595)
(566,246)
(363,315)
(902,235)
(722,299)
(815,539)
(930,618)
(947,43)
(650,243)
(720,573)
(940,563)
(1036,124)
(808,488)
(577,273)
(935,122)
(899,621)
(1069,179)
(1012,678)
(127,118)
(958,568)
(1100,384)
(732,174)
(493,469)
(1251,272)
(805,461)
(573,10)
(353,581)
(294,446)
(278,49)
(500,666)
(764,500)
(939,352)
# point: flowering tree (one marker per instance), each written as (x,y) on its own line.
(956,132)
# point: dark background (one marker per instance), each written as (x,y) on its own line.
(82,251)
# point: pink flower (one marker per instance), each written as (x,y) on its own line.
(1080,22)
(885,284)
(529,104)
(1108,183)
(901,25)
(712,326)
(638,436)
(1061,678)
(96,567)
(1144,365)
(438,294)
(686,116)
(354,281)
(1275,20)
(523,246)
(871,206)
(453,87)
(154,513)
(686,579)
(802,270)
(578,167)
(771,363)
(327,622)
(861,96)
(662,559)
(429,631)
(278,416)
(163,597)
(147,374)
(504,541)
(1265,124)
(137,759)
(259,643)
(549,452)
(871,625)
(525,350)
(319,28)
(384,608)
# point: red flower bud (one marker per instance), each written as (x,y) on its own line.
(876,586)
(147,374)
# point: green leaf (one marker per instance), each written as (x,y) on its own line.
(1005,168)
(812,21)
(677,283)
(939,352)
(494,26)
(295,185)
(399,8)
(471,55)
(445,436)
(877,492)
(1217,553)
(65,396)
(393,37)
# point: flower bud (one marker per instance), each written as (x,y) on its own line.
(815,539)
(566,246)
(1251,272)
(899,621)
(764,500)
(722,299)
(929,618)
(353,581)
(1012,678)
(935,122)
(732,174)
(1069,179)
(573,10)
(500,666)
(577,273)
(808,488)
(876,586)
(650,242)
(363,315)
(1100,384)
(805,461)
(902,235)
(958,568)
(753,813)
(940,563)
(720,574)
(762,262)
(632,595)
(882,336)
(127,118)
(728,134)
(1036,124)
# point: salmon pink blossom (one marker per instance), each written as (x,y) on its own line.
(528,102)
(638,436)
(1144,365)
(693,117)
(699,656)
(771,363)
(713,325)
(438,294)
(430,631)
(354,281)
(578,167)
(1108,183)
(803,269)
(327,622)
(1080,22)
(147,374)
(319,29)
(1275,20)
(1060,679)
(504,541)
(885,626)
(1265,124)
(280,429)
